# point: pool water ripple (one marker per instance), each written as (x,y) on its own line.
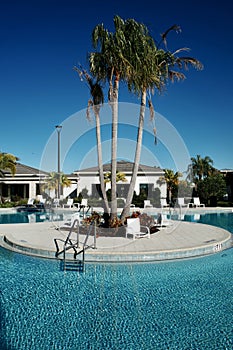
(186,304)
(176,305)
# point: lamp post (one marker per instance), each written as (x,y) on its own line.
(58,128)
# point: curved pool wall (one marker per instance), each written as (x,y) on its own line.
(113,257)
(220,219)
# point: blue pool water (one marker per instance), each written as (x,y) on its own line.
(27,217)
(185,304)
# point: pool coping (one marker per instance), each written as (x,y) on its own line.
(142,250)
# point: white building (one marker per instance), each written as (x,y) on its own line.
(148,179)
(27,182)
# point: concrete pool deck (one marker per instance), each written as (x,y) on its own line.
(178,240)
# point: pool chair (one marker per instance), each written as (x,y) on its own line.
(68,223)
(196,202)
(56,203)
(84,207)
(164,203)
(30,201)
(135,229)
(147,204)
(42,201)
(69,203)
(180,202)
(162,221)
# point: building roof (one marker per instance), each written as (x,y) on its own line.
(124,167)
(22,169)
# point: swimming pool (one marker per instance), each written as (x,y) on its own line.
(185,304)
(27,217)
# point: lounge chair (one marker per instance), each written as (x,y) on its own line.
(134,228)
(67,224)
(162,221)
(69,203)
(84,207)
(30,201)
(147,204)
(196,202)
(181,203)
(84,202)
(42,201)
(164,203)
(56,203)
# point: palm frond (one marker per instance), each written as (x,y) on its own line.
(174,27)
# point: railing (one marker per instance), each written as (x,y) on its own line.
(75,245)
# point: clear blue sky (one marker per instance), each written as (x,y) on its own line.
(42,40)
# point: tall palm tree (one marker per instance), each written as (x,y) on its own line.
(96,102)
(8,162)
(109,64)
(131,54)
(152,68)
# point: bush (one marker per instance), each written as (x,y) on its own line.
(224,204)
(7,205)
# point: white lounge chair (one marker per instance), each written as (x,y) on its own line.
(147,204)
(164,203)
(67,224)
(180,202)
(30,201)
(134,228)
(69,203)
(56,202)
(84,202)
(42,201)
(196,202)
(162,221)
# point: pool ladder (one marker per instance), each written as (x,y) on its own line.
(75,264)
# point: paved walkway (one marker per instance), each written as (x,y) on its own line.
(178,240)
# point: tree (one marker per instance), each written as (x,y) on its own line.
(172,181)
(131,54)
(109,64)
(95,103)
(152,69)
(119,177)
(8,162)
(212,186)
(52,182)
(200,168)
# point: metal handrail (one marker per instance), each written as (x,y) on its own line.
(72,245)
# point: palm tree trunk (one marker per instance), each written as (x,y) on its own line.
(126,210)
(100,162)
(114,106)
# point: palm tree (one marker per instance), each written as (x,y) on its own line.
(201,168)
(119,177)
(152,69)
(172,181)
(131,54)
(53,181)
(109,64)
(8,162)
(96,102)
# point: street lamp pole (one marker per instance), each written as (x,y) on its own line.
(58,128)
